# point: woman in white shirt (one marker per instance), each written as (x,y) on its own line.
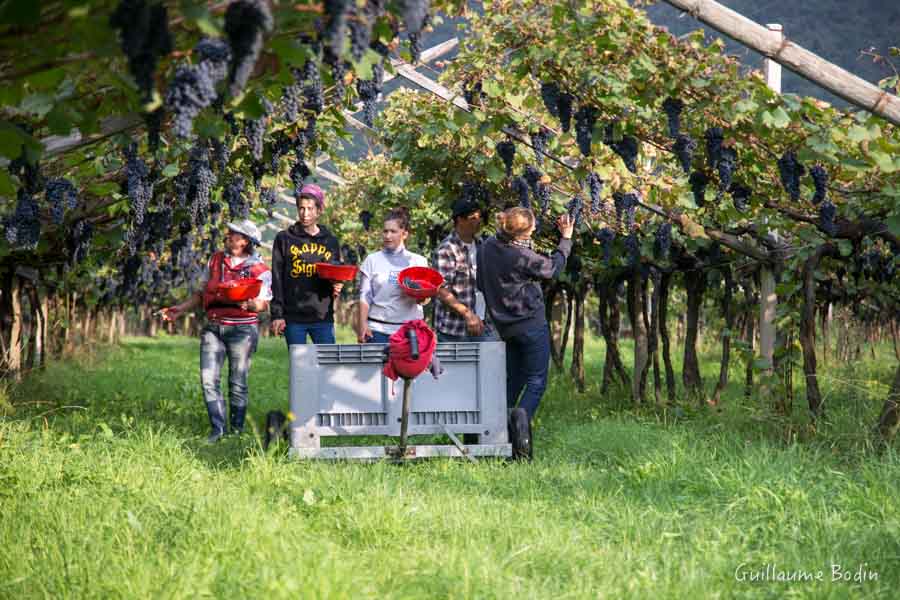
(383,307)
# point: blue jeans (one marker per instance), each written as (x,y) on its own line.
(238,343)
(321,332)
(379,338)
(488,336)
(527,366)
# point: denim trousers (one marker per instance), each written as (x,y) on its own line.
(527,367)
(238,343)
(379,338)
(320,332)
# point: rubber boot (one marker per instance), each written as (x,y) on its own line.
(238,413)
(216,412)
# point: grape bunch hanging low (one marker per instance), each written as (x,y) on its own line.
(740,195)
(368,90)
(144,37)
(714,140)
(79,240)
(336,12)
(632,249)
(820,182)
(268,197)
(550,96)
(507,152)
(827,214)
(698,181)
(23,230)
(246,23)
(202,180)
(575,209)
(790,171)
(584,128)
(62,196)
(521,189)
(673,107)
(234,196)
(564,108)
(138,183)
(299,172)
(662,241)
(539,141)
(360,35)
(626,207)
(606,236)
(627,148)
(726,166)
(193,87)
(595,188)
(684,149)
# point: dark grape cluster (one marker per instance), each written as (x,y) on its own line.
(192,89)
(550,96)
(521,189)
(595,188)
(726,166)
(201,182)
(714,139)
(632,249)
(543,194)
(533,176)
(627,148)
(820,182)
(138,183)
(699,181)
(662,240)
(313,92)
(564,109)
(368,90)
(740,195)
(62,196)
(144,37)
(338,75)
(575,208)
(365,217)
(673,107)
(827,213)
(255,131)
(415,14)
(234,196)
(24,229)
(606,236)
(507,152)
(336,13)
(472,92)
(539,141)
(360,36)
(290,102)
(584,128)
(79,240)
(268,197)
(299,172)
(684,149)
(246,23)
(790,171)
(472,191)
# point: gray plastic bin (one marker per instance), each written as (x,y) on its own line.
(339,390)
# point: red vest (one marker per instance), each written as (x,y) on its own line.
(220,272)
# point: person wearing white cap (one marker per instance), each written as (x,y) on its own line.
(232,328)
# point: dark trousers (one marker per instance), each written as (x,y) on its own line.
(321,332)
(527,366)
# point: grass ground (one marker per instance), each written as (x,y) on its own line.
(107,490)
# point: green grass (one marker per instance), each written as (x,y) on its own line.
(107,490)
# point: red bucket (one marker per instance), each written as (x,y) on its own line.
(239,290)
(336,272)
(420,282)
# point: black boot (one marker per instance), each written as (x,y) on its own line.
(216,412)
(238,413)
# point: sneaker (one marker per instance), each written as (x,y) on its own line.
(215,436)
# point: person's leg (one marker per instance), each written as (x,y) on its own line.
(295,333)
(212,355)
(321,333)
(514,377)
(535,366)
(240,340)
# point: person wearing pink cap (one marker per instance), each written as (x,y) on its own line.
(303,303)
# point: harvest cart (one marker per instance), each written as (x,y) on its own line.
(339,390)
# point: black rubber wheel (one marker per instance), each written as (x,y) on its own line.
(520,435)
(276,427)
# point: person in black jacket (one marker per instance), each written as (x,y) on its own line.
(508,274)
(302,302)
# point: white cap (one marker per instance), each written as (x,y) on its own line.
(246,227)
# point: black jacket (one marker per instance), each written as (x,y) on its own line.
(508,277)
(298,294)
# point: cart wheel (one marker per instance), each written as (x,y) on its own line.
(520,434)
(276,427)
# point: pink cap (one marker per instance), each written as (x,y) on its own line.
(311,190)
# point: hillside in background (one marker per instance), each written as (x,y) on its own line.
(837,30)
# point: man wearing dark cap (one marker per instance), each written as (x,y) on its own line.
(459,316)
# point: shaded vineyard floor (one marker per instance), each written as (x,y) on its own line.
(107,490)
